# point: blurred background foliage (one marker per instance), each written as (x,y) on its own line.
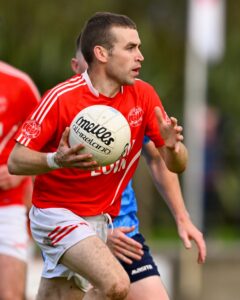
(39,38)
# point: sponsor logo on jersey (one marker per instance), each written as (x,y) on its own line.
(118,166)
(135,116)
(31,129)
(141,269)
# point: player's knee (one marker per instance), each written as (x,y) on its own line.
(46,291)
(119,288)
(117,292)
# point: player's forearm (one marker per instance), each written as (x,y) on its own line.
(24,161)
(167,184)
(171,192)
(175,161)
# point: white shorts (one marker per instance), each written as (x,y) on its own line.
(13,231)
(57,229)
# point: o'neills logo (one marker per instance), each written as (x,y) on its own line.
(82,127)
(99,131)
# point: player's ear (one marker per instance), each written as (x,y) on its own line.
(100,53)
(74,65)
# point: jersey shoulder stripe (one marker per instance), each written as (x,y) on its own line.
(52,95)
(48,101)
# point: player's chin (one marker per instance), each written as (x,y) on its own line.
(130,81)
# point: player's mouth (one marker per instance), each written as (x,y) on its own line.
(136,71)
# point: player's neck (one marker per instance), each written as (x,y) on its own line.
(103,84)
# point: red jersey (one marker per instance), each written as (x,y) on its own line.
(18,97)
(88,193)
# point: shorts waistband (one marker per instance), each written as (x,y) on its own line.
(100,218)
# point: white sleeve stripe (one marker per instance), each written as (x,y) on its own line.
(50,97)
(26,141)
(44,103)
(54,100)
(21,139)
(137,155)
(46,98)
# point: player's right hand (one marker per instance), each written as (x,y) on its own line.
(71,157)
(122,246)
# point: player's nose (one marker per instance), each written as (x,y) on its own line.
(140,57)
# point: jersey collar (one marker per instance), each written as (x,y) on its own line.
(94,91)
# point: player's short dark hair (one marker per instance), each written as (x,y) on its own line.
(97,32)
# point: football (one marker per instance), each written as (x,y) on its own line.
(104,132)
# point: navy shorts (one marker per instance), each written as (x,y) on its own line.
(143,268)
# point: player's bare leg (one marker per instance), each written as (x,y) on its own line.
(149,288)
(59,289)
(13,278)
(93,259)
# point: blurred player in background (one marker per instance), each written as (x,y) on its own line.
(72,196)
(18,97)
(125,241)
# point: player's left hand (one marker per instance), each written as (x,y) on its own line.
(122,246)
(188,232)
(8,181)
(170,131)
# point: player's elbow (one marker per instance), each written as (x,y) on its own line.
(177,168)
(13,165)
(177,163)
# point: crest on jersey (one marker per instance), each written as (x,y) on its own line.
(135,116)
(31,129)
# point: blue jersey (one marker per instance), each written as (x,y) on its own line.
(128,212)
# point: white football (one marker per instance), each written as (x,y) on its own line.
(103,131)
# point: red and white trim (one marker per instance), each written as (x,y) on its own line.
(49,100)
(136,156)
(60,232)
